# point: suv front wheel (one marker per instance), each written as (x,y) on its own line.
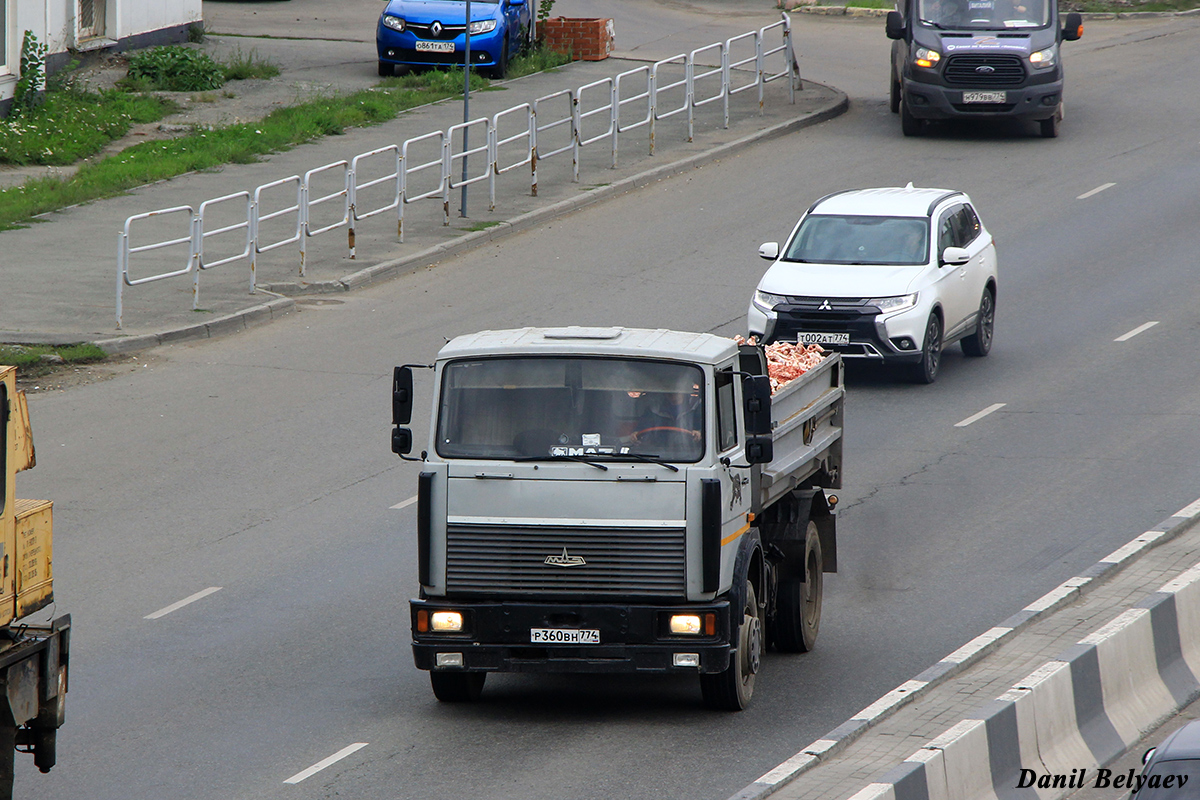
(926,370)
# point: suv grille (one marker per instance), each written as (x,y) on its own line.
(963,70)
(482,559)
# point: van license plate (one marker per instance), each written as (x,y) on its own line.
(435,47)
(984,97)
(564,636)
(823,338)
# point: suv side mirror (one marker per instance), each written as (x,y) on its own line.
(955,256)
(769,251)
(756,396)
(402,395)
(1074,27)
(895,25)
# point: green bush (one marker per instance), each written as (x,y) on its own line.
(173,68)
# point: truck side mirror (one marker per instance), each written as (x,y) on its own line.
(759,450)
(402,396)
(756,396)
(1074,27)
(402,441)
(894,25)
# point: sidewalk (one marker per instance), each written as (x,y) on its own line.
(59,278)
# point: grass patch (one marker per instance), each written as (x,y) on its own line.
(538,59)
(34,360)
(244,66)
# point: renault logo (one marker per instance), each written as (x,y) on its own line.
(564,560)
(985,70)
(436,28)
(825,306)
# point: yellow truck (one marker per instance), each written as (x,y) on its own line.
(33,657)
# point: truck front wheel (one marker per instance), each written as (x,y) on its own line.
(732,689)
(798,602)
(457,687)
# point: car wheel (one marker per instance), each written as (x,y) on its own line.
(926,370)
(979,343)
(910,125)
(732,689)
(500,71)
(457,687)
(798,602)
(894,99)
(1049,127)
(385,69)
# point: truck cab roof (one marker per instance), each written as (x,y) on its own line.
(701,348)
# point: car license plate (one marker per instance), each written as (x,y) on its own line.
(564,636)
(823,338)
(984,97)
(435,47)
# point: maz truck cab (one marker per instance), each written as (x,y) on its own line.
(978,59)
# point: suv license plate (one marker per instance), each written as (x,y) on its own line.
(823,338)
(985,97)
(435,47)
(564,636)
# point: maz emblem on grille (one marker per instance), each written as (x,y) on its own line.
(564,560)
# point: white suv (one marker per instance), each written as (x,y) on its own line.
(893,274)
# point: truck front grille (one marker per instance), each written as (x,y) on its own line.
(646,562)
(984,71)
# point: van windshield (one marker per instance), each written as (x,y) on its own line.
(983,15)
(830,239)
(525,408)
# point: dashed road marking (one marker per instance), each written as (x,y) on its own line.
(976,417)
(320,765)
(1139,329)
(1097,190)
(406,503)
(162,612)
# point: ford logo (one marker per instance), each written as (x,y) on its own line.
(985,69)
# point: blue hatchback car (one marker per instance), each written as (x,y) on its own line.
(433,32)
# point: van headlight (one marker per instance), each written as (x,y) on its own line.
(924,57)
(889,305)
(767,301)
(1044,59)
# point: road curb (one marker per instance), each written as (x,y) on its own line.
(387,270)
(968,655)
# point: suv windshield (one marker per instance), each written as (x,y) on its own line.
(827,239)
(556,407)
(984,15)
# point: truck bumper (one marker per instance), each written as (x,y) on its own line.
(496,637)
(932,101)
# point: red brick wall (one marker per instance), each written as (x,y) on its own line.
(584,39)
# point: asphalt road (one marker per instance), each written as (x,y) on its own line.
(260,464)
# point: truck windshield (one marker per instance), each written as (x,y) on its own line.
(984,15)
(551,407)
(829,239)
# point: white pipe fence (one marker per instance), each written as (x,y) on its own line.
(558,123)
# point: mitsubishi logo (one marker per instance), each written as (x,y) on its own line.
(436,28)
(825,306)
(564,560)
(985,70)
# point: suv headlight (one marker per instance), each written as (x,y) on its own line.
(1044,59)
(767,301)
(924,57)
(395,23)
(483,26)
(888,305)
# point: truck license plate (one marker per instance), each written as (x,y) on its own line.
(435,47)
(984,97)
(823,338)
(564,636)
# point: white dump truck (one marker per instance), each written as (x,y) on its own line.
(619,500)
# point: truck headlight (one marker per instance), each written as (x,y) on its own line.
(767,301)
(483,26)
(395,23)
(1044,59)
(685,624)
(924,57)
(446,622)
(887,305)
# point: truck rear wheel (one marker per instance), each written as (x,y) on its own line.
(732,689)
(798,602)
(457,687)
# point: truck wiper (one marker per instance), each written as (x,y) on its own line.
(646,458)
(581,459)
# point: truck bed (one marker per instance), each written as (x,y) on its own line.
(806,430)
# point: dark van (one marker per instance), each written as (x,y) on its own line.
(978,59)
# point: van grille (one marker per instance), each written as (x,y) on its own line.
(483,559)
(964,70)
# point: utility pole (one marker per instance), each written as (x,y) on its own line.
(466,110)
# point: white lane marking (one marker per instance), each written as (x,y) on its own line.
(162,612)
(1097,190)
(320,765)
(976,417)
(406,503)
(1139,329)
